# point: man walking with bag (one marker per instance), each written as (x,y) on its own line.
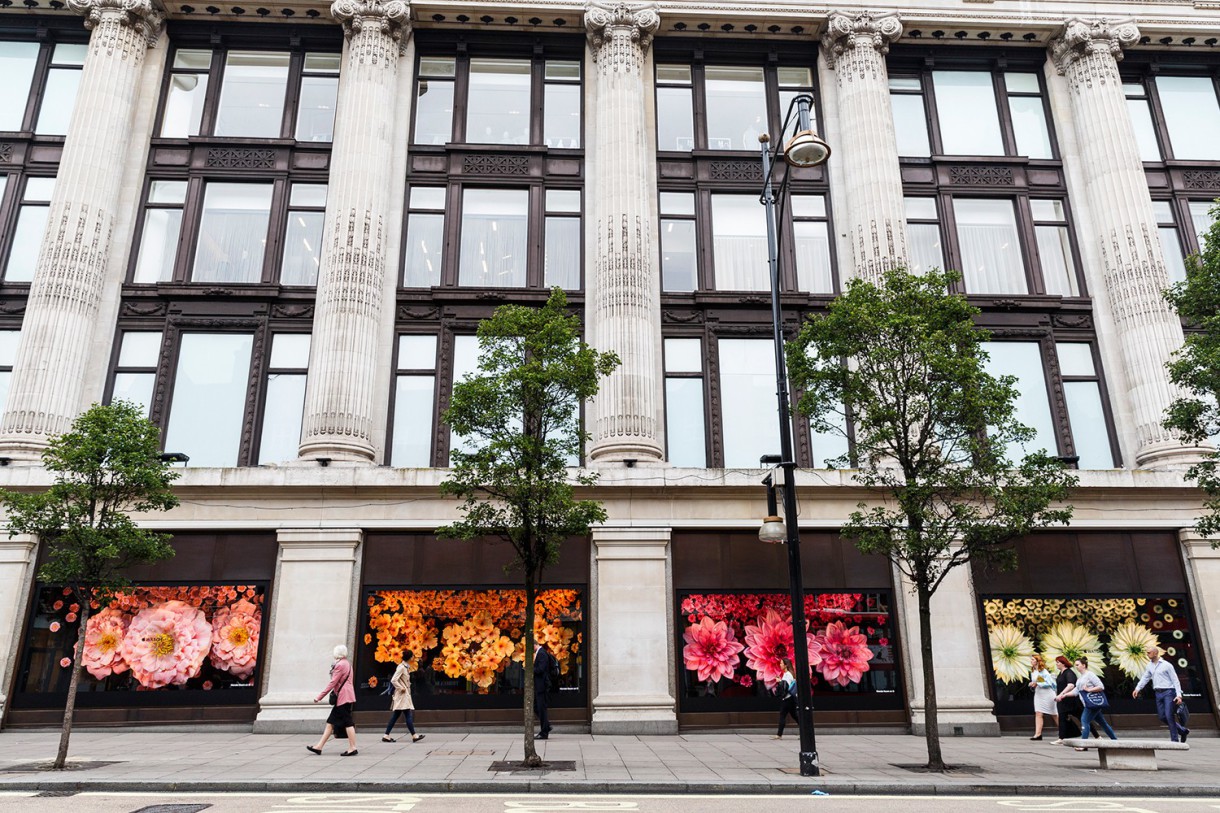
(1167,691)
(546,680)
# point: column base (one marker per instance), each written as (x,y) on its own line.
(1169,456)
(290,714)
(638,453)
(634,714)
(339,451)
(964,718)
(23,451)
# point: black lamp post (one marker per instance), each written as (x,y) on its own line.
(804,149)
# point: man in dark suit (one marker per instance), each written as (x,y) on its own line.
(544,664)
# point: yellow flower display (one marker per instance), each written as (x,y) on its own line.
(481,632)
(1128,646)
(1010,653)
(1073,641)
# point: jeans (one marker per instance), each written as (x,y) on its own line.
(788,709)
(409,714)
(1165,712)
(1098,716)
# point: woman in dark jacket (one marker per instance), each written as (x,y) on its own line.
(1069,707)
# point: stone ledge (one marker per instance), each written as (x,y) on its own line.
(1127,745)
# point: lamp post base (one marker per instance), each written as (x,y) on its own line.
(809,764)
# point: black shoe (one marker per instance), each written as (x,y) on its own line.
(1035,739)
(313,750)
(1183,735)
(543,737)
(351,753)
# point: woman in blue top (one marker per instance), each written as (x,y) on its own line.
(1043,684)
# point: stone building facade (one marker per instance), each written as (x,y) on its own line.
(276,228)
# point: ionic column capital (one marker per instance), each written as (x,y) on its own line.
(846,31)
(632,22)
(145,17)
(391,18)
(1080,38)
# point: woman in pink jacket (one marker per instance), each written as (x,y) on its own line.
(340,719)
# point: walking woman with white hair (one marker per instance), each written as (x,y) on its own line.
(343,697)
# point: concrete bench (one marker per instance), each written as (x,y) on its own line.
(1127,755)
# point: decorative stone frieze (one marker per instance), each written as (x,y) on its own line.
(72,271)
(1124,228)
(340,393)
(854,46)
(623,312)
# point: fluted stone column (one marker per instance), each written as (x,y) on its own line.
(1086,54)
(62,310)
(623,311)
(854,47)
(340,393)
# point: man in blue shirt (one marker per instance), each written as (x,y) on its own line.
(1168,692)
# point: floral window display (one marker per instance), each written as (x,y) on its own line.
(1112,632)
(470,643)
(732,644)
(150,638)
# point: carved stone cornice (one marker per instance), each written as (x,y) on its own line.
(633,22)
(1082,38)
(389,17)
(845,31)
(144,17)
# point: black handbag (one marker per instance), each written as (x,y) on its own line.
(332,698)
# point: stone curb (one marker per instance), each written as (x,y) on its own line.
(515,786)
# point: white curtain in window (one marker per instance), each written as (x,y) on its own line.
(812,257)
(232,233)
(494,236)
(739,243)
(562,260)
(990,247)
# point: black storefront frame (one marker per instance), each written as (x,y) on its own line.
(20,700)
(765,702)
(371,698)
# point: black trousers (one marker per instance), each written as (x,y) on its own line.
(540,709)
(786,710)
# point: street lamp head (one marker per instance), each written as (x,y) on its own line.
(773,531)
(806,149)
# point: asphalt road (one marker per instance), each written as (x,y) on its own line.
(20,802)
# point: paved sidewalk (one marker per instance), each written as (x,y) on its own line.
(693,763)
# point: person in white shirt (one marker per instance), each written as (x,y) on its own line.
(787,684)
(1167,691)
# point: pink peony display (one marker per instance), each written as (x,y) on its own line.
(104,633)
(235,632)
(166,644)
(840,654)
(768,643)
(711,649)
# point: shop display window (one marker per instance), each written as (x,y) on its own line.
(1113,632)
(731,645)
(177,642)
(469,645)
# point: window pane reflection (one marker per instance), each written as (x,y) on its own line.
(1029,125)
(425,233)
(561,116)
(209,399)
(966,109)
(562,256)
(924,246)
(1192,115)
(1024,361)
(911,125)
(134,387)
(302,248)
(434,111)
(1171,248)
(281,440)
(675,120)
(184,105)
(413,397)
(17,61)
(1201,219)
(58,99)
(494,234)
(812,257)
(498,102)
(991,251)
(684,429)
(736,107)
(1089,432)
(678,268)
(1055,252)
(1145,132)
(747,390)
(739,242)
(252,95)
(26,243)
(316,110)
(158,245)
(232,233)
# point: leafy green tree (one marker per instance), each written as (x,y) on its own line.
(1196,368)
(519,418)
(933,432)
(106,468)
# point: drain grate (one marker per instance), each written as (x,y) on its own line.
(172,809)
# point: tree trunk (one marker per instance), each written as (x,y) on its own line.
(532,760)
(65,732)
(931,728)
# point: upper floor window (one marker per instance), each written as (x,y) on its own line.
(29,224)
(38,91)
(251,94)
(497,100)
(8,357)
(723,107)
(970,112)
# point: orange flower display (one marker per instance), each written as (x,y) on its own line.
(480,630)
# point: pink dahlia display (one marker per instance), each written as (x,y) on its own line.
(166,644)
(840,654)
(235,638)
(768,644)
(104,634)
(711,649)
